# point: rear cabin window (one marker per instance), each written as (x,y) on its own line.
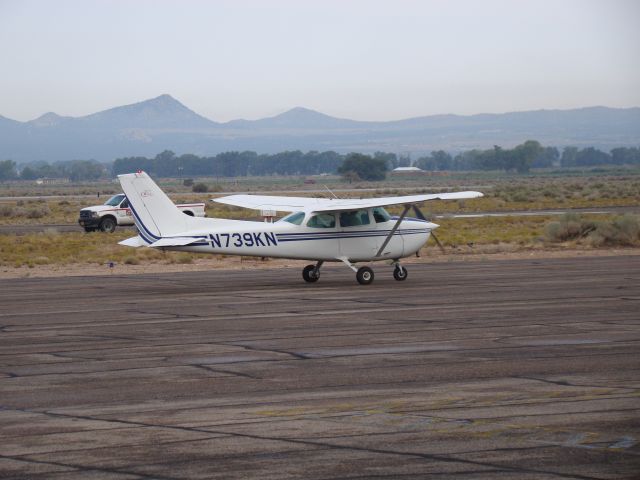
(354,218)
(322,220)
(295,218)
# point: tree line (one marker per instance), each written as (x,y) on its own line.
(353,166)
(528,155)
(75,170)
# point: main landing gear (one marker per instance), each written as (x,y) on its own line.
(364,275)
(311,273)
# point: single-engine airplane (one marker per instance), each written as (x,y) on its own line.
(316,229)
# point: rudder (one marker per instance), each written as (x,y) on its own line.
(154,213)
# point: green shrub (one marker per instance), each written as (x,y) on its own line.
(6,211)
(623,231)
(569,227)
(200,188)
(38,212)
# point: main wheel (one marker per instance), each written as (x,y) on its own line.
(364,275)
(400,273)
(108,224)
(310,274)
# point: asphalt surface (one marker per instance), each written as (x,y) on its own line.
(525,369)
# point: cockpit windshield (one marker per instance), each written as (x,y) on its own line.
(381,215)
(115,200)
(295,218)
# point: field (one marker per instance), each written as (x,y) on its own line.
(55,205)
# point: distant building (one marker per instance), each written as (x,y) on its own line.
(416,171)
(52,181)
(408,170)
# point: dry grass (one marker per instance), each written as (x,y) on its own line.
(53,248)
(524,193)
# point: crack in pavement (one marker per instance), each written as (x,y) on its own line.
(426,456)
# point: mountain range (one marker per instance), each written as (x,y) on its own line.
(163,123)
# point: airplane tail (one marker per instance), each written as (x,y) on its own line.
(154,213)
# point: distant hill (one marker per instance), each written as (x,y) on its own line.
(146,128)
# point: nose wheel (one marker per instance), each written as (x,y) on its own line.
(400,273)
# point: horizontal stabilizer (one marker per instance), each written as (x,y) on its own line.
(176,241)
(135,242)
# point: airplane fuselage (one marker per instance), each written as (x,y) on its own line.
(285,240)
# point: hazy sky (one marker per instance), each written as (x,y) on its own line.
(366,60)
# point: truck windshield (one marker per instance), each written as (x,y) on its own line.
(114,201)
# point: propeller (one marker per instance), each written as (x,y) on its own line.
(420,215)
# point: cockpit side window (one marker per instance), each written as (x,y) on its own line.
(380,215)
(354,218)
(295,218)
(322,220)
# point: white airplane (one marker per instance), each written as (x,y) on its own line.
(317,229)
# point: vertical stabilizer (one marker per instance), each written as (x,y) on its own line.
(154,213)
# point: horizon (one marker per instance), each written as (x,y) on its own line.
(368,60)
(302,107)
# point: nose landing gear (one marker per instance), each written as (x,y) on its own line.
(400,273)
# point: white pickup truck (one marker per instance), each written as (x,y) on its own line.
(116,211)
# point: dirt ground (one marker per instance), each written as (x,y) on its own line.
(215,262)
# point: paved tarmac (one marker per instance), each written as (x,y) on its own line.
(523,369)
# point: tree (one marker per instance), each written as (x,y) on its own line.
(548,157)
(365,166)
(626,156)
(588,157)
(391,159)
(28,173)
(524,155)
(8,170)
(569,155)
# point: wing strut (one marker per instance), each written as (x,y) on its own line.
(393,230)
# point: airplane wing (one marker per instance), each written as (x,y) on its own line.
(268,202)
(297,204)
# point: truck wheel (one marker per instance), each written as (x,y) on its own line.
(108,224)
(88,230)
